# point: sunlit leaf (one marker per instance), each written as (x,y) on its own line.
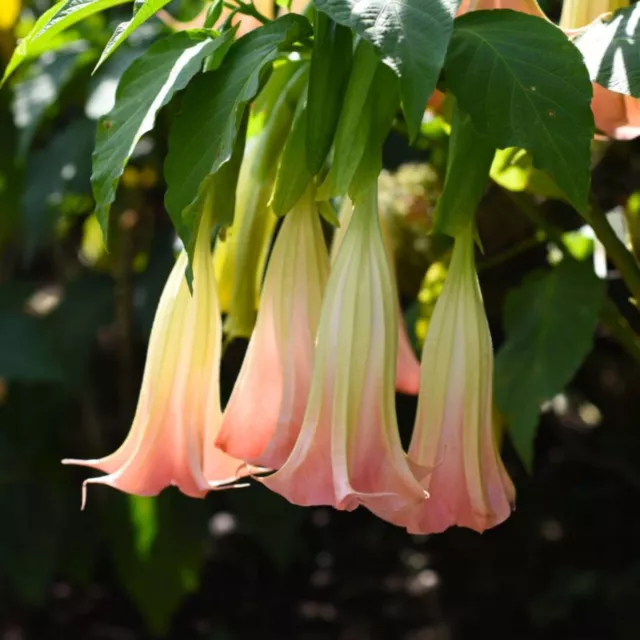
(142,11)
(411,35)
(525,85)
(60,17)
(147,85)
(203,134)
(549,322)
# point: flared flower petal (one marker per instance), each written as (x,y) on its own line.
(349,452)
(171,441)
(264,414)
(453,442)
(407,366)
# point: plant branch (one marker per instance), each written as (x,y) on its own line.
(616,250)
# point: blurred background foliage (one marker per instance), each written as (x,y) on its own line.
(74,321)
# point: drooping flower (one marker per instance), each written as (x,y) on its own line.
(349,452)
(171,441)
(616,115)
(264,414)
(407,367)
(453,442)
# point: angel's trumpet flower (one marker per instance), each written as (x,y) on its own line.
(349,452)
(264,414)
(453,442)
(408,367)
(171,441)
(616,115)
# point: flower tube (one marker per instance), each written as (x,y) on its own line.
(348,452)
(171,441)
(453,441)
(407,367)
(264,414)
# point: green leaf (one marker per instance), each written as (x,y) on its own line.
(328,79)
(354,125)
(611,51)
(203,134)
(525,85)
(549,322)
(26,350)
(142,11)
(146,86)
(468,165)
(411,35)
(293,175)
(60,17)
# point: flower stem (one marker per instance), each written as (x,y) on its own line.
(616,250)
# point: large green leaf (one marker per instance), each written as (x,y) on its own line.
(142,11)
(611,51)
(411,35)
(147,85)
(549,322)
(60,17)
(525,85)
(203,134)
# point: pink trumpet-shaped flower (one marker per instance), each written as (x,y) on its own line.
(453,439)
(264,414)
(171,441)
(407,366)
(349,452)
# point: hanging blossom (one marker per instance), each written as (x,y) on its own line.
(239,259)
(453,448)
(348,452)
(171,441)
(407,366)
(617,115)
(264,414)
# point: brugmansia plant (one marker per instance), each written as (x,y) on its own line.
(277,120)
